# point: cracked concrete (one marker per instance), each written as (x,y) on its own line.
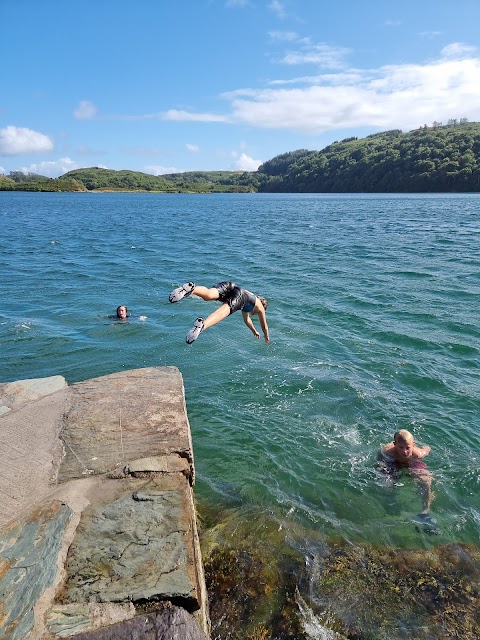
(99,477)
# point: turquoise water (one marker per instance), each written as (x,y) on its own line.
(374,323)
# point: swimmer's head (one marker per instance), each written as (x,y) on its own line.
(403,436)
(122,311)
(404,444)
(264,301)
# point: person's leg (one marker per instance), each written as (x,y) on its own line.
(425,487)
(200,324)
(219,314)
(205,293)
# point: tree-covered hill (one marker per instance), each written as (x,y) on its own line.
(19,181)
(429,159)
(96,178)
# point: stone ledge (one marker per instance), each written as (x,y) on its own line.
(106,525)
(16,394)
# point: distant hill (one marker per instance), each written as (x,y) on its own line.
(429,159)
(19,181)
(98,179)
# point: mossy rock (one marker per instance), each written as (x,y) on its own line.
(386,593)
(261,583)
(252,576)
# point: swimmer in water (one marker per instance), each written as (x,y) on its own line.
(122,312)
(404,455)
(233,298)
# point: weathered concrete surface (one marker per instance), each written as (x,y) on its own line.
(108,524)
(124,416)
(136,547)
(30,450)
(16,394)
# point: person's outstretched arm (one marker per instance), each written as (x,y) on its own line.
(421,452)
(248,321)
(264,325)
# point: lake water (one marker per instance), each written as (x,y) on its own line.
(374,321)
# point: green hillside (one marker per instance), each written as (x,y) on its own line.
(96,179)
(429,159)
(19,181)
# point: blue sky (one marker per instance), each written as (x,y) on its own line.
(165,86)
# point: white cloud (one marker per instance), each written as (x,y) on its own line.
(430,34)
(17,141)
(344,97)
(52,169)
(322,55)
(459,51)
(194,148)
(86,110)
(156,170)
(246,163)
(393,23)
(186,116)
(237,3)
(278,8)
(2,171)
(285,36)
(394,96)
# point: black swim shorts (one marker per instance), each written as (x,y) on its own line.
(232,294)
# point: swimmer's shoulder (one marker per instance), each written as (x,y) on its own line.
(387,452)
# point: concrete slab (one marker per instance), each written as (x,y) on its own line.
(98,477)
(16,394)
(122,417)
(30,450)
(135,543)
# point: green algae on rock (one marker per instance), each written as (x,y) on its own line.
(262,585)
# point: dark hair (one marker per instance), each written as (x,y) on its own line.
(264,301)
(118,309)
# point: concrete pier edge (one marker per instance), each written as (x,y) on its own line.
(98,533)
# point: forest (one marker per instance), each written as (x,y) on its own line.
(429,159)
(433,159)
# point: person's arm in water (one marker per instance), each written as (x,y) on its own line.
(263,323)
(421,452)
(248,321)
(259,311)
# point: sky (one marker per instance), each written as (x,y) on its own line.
(168,86)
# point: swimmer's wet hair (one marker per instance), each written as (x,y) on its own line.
(264,301)
(403,436)
(118,309)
